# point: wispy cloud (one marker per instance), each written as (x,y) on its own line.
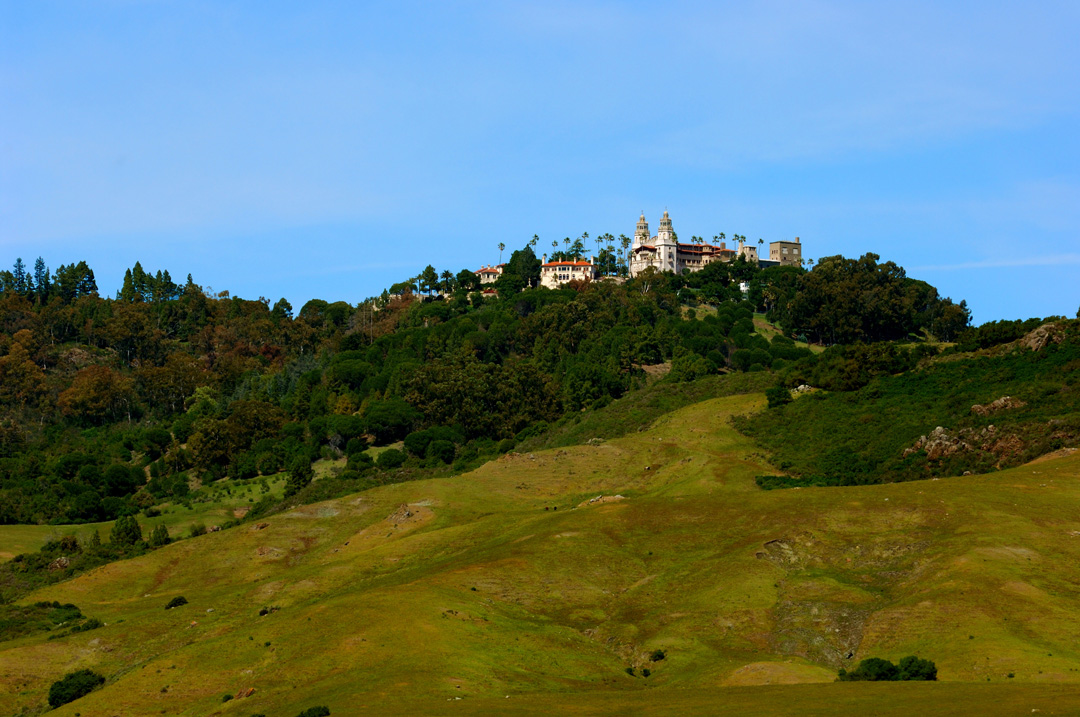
(1055,260)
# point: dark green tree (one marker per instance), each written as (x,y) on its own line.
(126,531)
(159,536)
(300,476)
(73,686)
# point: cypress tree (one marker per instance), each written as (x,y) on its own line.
(126,531)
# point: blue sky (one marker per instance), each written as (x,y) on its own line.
(323,149)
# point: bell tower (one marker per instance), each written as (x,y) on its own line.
(641,233)
(665,244)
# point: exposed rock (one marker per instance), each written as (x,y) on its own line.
(938,444)
(1043,336)
(601,499)
(1004,403)
(941,443)
(260,526)
(400,515)
(245,693)
(803,388)
(60,563)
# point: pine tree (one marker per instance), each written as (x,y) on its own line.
(159,536)
(127,289)
(42,282)
(300,476)
(19,276)
(126,531)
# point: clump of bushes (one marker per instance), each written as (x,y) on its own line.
(390,458)
(315,712)
(176,602)
(875,669)
(657,655)
(73,686)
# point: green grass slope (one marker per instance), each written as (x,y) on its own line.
(406,597)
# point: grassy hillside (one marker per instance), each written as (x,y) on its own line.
(409,595)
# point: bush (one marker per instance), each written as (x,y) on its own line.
(354,446)
(196,530)
(390,458)
(176,602)
(657,655)
(444,450)
(315,712)
(73,686)
(778,396)
(915,669)
(875,669)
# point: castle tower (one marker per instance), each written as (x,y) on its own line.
(641,234)
(665,245)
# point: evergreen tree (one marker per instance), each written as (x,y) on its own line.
(282,308)
(19,275)
(159,536)
(300,476)
(42,281)
(127,289)
(125,531)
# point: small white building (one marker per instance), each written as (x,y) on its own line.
(554,274)
(489,274)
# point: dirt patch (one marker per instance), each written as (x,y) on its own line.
(776,673)
(269,553)
(1061,453)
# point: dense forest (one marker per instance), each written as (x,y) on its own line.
(111,404)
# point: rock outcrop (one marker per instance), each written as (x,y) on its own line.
(1004,403)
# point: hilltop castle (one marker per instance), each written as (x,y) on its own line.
(664,252)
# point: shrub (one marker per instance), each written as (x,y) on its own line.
(354,446)
(778,396)
(315,712)
(176,602)
(196,530)
(390,458)
(916,669)
(226,697)
(657,655)
(875,669)
(73,686)
(444,450)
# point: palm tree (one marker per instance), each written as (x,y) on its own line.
(532,242)
(566,241)
(447,281)
(501,247)
(624,242)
